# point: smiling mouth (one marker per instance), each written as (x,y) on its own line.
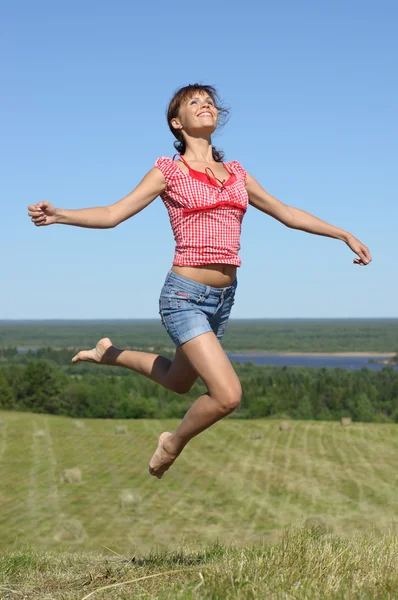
(205,114)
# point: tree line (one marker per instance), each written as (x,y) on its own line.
(37,383)
(271,335)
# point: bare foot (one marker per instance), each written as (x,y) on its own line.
(96,355)
(162,460)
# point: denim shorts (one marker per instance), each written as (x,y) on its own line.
(188,308)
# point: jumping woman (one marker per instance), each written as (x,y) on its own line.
(206,199)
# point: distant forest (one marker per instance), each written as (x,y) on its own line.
(276,335)
(46,382)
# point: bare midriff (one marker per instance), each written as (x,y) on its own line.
(215,275)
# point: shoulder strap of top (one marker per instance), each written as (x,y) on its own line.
(180,156)
(190,168)
(227,168)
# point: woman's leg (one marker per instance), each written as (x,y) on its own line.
(176,375)
(207,357)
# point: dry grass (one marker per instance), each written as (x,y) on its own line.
(79,425)
(69,530)
(304,564)
(130,499)
(285,426)
(121,429)
(318,526)
(256,435)
(73,475)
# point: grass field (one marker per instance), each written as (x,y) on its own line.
(303,565)
(214,527)
(225,486)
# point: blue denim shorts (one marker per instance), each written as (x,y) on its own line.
(188,308)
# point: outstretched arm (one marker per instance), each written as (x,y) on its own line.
(299,219)
(102,217)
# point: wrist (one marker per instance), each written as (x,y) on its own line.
(346,237)
(58,217)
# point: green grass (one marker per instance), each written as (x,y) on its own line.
(225,486)
(304,564)
(222,511)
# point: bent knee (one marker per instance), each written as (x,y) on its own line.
(230,398)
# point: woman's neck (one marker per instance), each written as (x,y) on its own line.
(198,149)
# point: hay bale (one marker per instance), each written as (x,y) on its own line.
(73,475)
(69,530)
(79,425)
(284,426)
(39,433)
(121,429)
(130,499)
(256,435)
(346,421)
(317,525)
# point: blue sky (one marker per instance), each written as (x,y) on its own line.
(312,88)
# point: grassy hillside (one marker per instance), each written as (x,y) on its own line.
(225,486)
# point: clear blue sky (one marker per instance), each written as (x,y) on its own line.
(313,93)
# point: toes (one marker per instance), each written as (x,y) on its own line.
(156,474)
(85,355)
(160,470)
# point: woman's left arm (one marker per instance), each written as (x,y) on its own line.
(299,219)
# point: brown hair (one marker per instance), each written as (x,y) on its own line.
(183,94)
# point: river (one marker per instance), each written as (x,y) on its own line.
(315,361)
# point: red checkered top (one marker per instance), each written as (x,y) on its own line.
(205,218)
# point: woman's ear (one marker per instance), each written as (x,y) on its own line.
(176,124)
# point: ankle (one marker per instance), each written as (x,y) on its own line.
(174,444)
(110,356)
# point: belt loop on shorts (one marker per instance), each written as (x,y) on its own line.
(221,298)
(205,294)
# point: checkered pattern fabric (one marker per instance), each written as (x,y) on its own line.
(206,219)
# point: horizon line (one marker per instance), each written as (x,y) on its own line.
(66,319)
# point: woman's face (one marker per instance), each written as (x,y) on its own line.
(197,114)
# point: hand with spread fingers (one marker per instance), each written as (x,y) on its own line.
(361,250)
(42,213)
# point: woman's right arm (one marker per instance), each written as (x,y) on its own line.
(102,217)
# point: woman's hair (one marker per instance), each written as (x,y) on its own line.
(183,94)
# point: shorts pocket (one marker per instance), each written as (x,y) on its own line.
(181,295)
(178,297)
(176,300)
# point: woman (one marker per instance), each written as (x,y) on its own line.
(206,200)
